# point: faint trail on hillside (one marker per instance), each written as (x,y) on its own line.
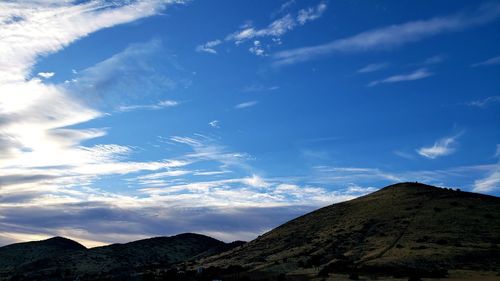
(398,238)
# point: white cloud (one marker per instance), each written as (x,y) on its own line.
(433,60)
(394,35)
(46,75)
(274,30)
(373,67)
(490,61)
(33,123)
(347,176)
(246,104)
(484,102)
(214,124)
(256,181)
(441,147)
(49,175)
(277,28)
(142,71)
(489,183)
(259,88)
(40,155)
(311,13)
(209,47)
(157,106)
(286,6)
(492,181)
(415,75)
(47,27)
(256,49)
(404,154)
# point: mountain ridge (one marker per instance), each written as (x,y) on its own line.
(405,229)
(115,261)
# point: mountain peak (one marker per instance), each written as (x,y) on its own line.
(396,227)
(64,242)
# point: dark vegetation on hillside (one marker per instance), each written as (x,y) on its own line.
(114,262)
(405,230)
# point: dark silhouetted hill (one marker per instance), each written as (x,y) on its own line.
(113,262)
(22,253)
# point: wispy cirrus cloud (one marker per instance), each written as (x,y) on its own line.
(246,104)
(166,193)
(491,182)
(415,75)
(274,30)
(433,60)
(160,105)
(142,71)
(42,156)
(393,36)
(209,47)
(488,62)
(373,67)
(311,13)
(362,176)
(34,123)
(62,23)
(442,147)
(484,102)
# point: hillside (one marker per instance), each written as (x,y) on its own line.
(21,253)
(115,262)
(407,229)
(403,229)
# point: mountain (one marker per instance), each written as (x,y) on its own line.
(113,262)
(22,253)
(404,229)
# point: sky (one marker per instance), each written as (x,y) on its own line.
(122,120)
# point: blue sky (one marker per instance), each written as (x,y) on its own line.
(121,120)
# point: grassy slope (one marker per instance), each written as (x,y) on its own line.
(404,225)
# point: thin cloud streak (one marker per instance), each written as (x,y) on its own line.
(415,75)
(246,104)
(373,67)
(484,102)
(392,36)
(491,182)
(488,62)
(160,105)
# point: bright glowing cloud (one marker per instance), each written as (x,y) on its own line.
(46,75)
